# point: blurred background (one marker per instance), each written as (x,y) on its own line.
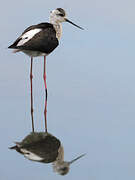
(91,89)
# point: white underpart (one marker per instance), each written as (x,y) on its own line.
(27,36)
(34,53)
(31,156)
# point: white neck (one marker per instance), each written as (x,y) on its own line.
(57,26)
(54,21)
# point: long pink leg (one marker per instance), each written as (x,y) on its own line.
(31,76)
(45,110)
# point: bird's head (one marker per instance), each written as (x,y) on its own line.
(62,168)
(59,15)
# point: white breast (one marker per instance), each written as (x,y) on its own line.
(27,36)
(58,29)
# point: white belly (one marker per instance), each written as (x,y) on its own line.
(34,53)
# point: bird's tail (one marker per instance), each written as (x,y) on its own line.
(16,148)
(13,147)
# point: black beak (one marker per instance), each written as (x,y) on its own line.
(76,158)
(73,23)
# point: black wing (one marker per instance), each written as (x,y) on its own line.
(45,41)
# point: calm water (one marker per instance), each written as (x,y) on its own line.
(91,90)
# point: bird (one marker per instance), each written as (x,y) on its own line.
(45,148)
(41,40)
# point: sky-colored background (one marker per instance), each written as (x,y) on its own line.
(91,86)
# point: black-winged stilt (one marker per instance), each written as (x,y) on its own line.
(46,148)
(41,40)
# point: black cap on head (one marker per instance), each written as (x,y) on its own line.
(62,11)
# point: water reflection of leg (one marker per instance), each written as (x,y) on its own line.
(31,76)
(45,110)
(45,113)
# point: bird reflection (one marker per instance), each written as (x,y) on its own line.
(45,148)
(42,146)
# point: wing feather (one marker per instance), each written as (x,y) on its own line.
(43,39)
